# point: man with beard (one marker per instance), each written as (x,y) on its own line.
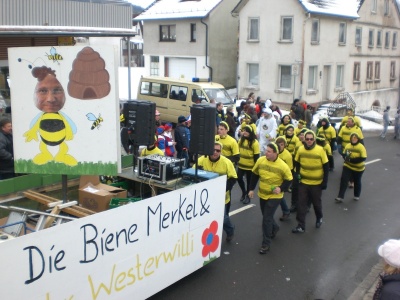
(312,169)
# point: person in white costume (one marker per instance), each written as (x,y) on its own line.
(266,129)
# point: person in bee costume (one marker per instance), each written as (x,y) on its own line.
(275,178)
(54,127)
(218,163)
(355,155)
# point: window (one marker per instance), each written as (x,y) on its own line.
(387,39)
(198,95)
(377,70)
(312,77)
(356,72)
(253,29)
(339,76)
(374,6)
(167,33)
(386,8)
(370,71)
(178,92)
(154,89)
(342,33)
(154,65)
(193,32)
(394,41)
(253,74)
(285,76)
(379,39)
(315,31)
(358,36)
(286,29)
(371,38)
(392,70)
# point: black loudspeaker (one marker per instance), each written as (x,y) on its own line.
(202,129)
(140,121)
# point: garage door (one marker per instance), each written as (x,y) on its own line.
(182,67)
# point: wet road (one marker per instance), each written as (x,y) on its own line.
(325,263)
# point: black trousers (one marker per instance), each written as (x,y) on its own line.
(306,193)
(240,174)
(350,175)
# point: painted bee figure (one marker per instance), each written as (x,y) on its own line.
(96,121)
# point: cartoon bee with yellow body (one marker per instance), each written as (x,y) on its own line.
(96,121)
(54,127)
(54,56)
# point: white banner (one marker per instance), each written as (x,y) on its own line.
(130,252)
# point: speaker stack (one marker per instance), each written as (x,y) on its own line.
(140,121)
(202,129)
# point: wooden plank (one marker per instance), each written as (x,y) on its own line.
(44,199)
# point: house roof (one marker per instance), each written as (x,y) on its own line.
(335,8)
(178,9)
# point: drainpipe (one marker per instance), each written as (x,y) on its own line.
(302,55)
(207,65)
(129,68)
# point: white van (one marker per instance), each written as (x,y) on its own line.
(174,97)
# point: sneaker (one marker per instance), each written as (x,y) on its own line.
(246,200)
(318,223)
(274,232)
(356,198)
(339,200)
(298,229)
(284,217)
(229,238)
(351,185)
(264,250)
(242,198)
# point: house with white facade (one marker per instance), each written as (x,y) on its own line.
(315,50)
(185,39)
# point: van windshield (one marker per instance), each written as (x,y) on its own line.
(220,95)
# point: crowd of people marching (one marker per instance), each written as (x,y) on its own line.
(280,152)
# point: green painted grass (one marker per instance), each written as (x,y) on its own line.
(27,166)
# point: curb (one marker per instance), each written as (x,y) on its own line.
(366,288)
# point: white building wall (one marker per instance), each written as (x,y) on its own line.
(269,52)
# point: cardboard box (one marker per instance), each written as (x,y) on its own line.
(97,196)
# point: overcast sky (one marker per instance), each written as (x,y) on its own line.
(142,3)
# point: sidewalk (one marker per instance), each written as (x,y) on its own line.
(366,289)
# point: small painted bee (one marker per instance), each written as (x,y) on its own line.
(96,121)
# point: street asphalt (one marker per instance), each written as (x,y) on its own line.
(337,261)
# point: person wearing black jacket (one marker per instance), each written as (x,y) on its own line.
(6,150)
(388,287)
(182,139)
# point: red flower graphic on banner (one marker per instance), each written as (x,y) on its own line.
(210,239)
